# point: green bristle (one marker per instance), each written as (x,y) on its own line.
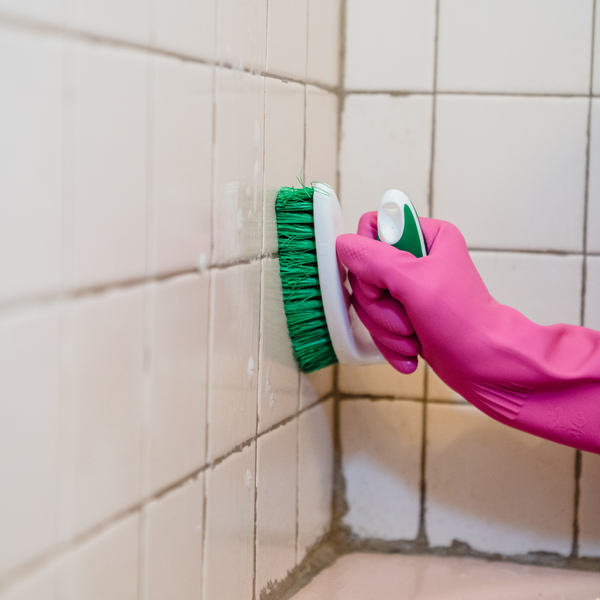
(300,279)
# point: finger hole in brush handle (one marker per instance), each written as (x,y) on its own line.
(398,224)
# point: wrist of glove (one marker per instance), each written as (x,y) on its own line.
(544,380)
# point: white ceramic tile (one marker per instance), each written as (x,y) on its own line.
(52,11)
(399,577)
(315,475)
(105,567)
(593,224)
(589,516)
(495,488)
(321,136)
(279,377)
(229,545)
(39,586)
(510,171)
(381,380)
(323,61)
(102,424)
(381,461)
(284,148)
(29,431)
(235,296)
(596,68)
(121,19)
(31,112)
(545,288)
(513,46)
(242,33)
(592,298)
(390,45)
(386,143)
(315,385)
(185,26)
(181,144)
(106,169)
(438,390)
(276,480)
(237,209)
(178,374)
(287,38)
(173,537)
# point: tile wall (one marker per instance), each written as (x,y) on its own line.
(486,115)
(156,438)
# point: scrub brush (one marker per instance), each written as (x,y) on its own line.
(323,327)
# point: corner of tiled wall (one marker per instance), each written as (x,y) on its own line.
(498,138)
(156,437)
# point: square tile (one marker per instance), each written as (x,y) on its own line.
(276,480)
(496,488)
(178,379)
(545,288)
(324,24)
(39,586)
(592,296)
(321,136)
(29,433)
(438,390)
(513,46)
(381,461)
(102,426)
(510,171)
(390,45)
(106,145)
(229,546)
(284,148)
(50,11)
(238,170)
(381,380)
(31,154)
(242,33)
(315,475)
(181,158)
(127,20)
(593,216)
(386,143)
(279,376)
(104,567)
(287,38)
(173,537)
(185,26)
(596,67)
(235,300)
(315,386)
(589,517)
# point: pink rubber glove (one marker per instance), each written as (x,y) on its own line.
(542,380)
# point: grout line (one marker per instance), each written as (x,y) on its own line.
(32,25)
(297,530)
(396,93)
(62,549)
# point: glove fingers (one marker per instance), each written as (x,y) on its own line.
(404,364)
(400,344)
(385,311)
(367,227)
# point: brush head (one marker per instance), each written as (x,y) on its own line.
(302,299)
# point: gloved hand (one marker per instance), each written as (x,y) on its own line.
(543,380)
